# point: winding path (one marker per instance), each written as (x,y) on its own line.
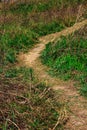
(77,104)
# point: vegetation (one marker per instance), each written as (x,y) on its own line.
(39,6)
(22,24)
(11,42)
(25,102)
(67,58)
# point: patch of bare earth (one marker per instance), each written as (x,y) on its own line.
(77,105)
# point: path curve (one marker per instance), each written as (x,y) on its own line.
(76,103)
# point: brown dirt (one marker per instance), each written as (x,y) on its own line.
(77,104)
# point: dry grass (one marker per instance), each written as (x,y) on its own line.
(27,103)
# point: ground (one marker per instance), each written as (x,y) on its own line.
(68,93)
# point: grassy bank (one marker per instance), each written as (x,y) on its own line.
(13,41)
(67,58)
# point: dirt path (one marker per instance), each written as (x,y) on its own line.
(77,104)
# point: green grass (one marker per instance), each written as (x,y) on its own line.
(12,42)
(67,59)
(28,7)
(22,36)
(18,38)
(51,27)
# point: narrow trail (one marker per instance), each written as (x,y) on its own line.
(77,104)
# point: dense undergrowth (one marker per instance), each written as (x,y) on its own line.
(67,58)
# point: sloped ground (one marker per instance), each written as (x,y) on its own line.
(77,104)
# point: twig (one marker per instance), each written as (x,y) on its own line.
(13,124)
(46,90)
(14,95)
(80,13)
(62,118)
(2,114)
(56,124)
